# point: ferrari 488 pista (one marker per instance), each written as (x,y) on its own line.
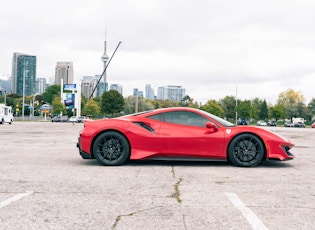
(179,133)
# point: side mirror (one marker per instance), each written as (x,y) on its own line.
(211,125)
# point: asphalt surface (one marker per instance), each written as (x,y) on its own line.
(45,184)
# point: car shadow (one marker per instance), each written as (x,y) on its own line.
(168,163)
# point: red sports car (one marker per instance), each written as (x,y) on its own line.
(181,133)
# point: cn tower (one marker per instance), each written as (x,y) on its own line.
(104,60)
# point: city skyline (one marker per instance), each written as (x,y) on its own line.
(210,47)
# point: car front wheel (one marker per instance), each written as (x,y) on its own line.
(111,148)
(246,150)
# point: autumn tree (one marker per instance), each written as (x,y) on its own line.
(91,108)
(58,107)
(293,101)
(143,104)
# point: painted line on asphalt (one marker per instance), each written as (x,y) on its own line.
(14,198)
(254,221)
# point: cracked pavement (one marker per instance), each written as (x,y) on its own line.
(67,192)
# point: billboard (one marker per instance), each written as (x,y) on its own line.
(70,87)
(69,100)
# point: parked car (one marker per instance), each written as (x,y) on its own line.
(179,133)
(288,124)
(272,123)
(242,121)
(261,123)
(56,119)
(81,119)
(299,124)
(73,119)
(313,125)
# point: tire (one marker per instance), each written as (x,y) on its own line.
(246,150)
(111,148)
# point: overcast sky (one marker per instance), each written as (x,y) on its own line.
(210,47)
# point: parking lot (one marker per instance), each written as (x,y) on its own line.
(45,184)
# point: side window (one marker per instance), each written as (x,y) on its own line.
(159,117)
(181,118)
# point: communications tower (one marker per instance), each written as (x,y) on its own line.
(105,61)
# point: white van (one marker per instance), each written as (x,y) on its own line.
(6,115)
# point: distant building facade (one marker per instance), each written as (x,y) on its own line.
(89,83)
(23,74)
(149,92)
(116,87)
(137,92)
(64,71)
(171,92)
(6,86)
(41,84)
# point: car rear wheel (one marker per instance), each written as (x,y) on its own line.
(246,150)
(111,148)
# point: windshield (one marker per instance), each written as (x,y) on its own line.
(218,119)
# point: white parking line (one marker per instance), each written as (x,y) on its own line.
(254,221)
(14,198)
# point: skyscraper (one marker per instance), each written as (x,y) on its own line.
(23,74)
(64,70)
(149,92)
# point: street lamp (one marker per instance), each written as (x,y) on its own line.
(24,73)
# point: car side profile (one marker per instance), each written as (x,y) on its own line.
(179,133)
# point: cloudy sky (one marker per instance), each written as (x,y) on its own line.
(210,47)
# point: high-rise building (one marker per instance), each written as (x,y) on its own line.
(6,86)
(23,74)
(137,92)
(171,92)
(64,70)
(41,85)
(116,87)
(149,92)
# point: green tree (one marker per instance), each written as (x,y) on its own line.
(244,109)
(263,110)
(228,105)
(212,106)
(91,108)
(112,102)
(277,111)
(50,93)
(311,108)
(58,107)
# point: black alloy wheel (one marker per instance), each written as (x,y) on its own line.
(111,148)
(246,150)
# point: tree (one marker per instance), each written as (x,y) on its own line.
(228,105)
(212,106)
(91,108)
(50,93)
(58,107)
(112,102)
(293,102)
(278,111)
(143,104)
(311,108)
(263,111)
(244,109)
